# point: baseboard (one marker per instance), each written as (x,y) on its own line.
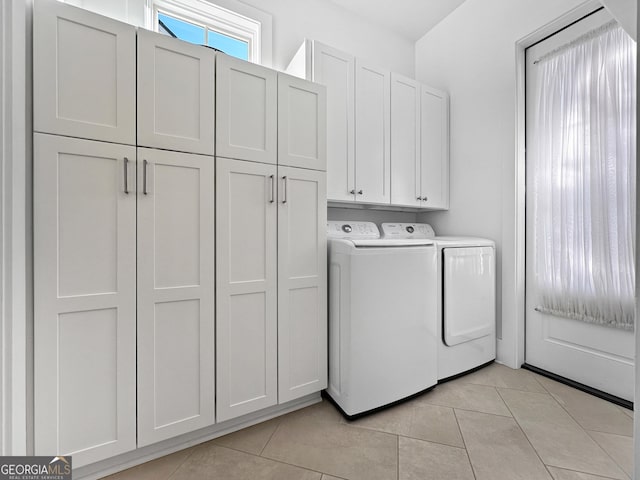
(580,386)
(145,454)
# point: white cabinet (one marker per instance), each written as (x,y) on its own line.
(175,293)
(302,283)
(373,152)
(246,293)
(84,298)
(246,110)
(434,135)
(302,123)
(175,94)
(84,74)
(336,70)
(419,145)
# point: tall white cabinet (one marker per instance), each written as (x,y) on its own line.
(85,298)
(175,293)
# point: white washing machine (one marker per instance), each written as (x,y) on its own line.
(466,297)
(382,317)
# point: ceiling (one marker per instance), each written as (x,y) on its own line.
(408,18)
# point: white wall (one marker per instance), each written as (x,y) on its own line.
(472,55)
(292,22)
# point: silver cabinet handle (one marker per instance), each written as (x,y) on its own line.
(144,176)
(352,192)
(424,199)
(360,192)
(126,175)
(284,192)
(418,198)
(271,199)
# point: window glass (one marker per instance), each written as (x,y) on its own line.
(229,45)
(180,29)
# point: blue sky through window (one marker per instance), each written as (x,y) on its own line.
(195,34)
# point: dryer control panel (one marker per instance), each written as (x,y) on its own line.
(407,230)
(346,229)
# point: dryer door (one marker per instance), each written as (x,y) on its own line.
(469,293)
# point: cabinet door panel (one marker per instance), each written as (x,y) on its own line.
(246,103)
(175,294)
(335,70)
(84,74)
(373,153)
(175,94)
(302,123)
(246,294)
(84,298)
(435,148)
(302,283)
(405,141)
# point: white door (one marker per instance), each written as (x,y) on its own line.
(246,110)
(302,123)
(336,70)
(434,147)
(373,151)
(302,283)
(84,298)
(405,141)
(84,74)
(175,293)
(594,355)
(175,94)
(246,290)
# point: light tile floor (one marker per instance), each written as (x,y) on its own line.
(494,424)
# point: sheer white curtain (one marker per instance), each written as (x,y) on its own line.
(581,166)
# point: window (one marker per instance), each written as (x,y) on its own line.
(203,23)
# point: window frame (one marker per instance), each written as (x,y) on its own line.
(212,18)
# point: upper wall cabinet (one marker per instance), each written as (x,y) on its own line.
(373,153)
(335,70)
(302,123)
(246,111)
(175,94)
(84,74)
(434,148)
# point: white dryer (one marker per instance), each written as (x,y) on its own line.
(382,317)
(466,297)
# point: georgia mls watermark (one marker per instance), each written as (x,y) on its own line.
(35,468)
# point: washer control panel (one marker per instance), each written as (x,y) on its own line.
(407,230)
(346,229)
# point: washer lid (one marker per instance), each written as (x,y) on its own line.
(391,242)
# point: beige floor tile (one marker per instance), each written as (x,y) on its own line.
(557,437)
(562,474)
(416,420)
(252,439)
(323,411)
(424,460)
(335,449)
(329,477)
(619,447)
(497,375)
(159,469)
(626,411)
(498,449)
(215,462)
(467,396)
(592,413)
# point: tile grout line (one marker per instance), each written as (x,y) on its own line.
(473,470)
(525,433)
(193,449)
(270,437)
(603,449)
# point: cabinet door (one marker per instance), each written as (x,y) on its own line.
(405,141)
(373,152)
(84,298)
(84,74)
(175,94)
(246,293)
(302,123)
(302,283)
(435,148)
(335,70)
(175,294)
(246,103)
